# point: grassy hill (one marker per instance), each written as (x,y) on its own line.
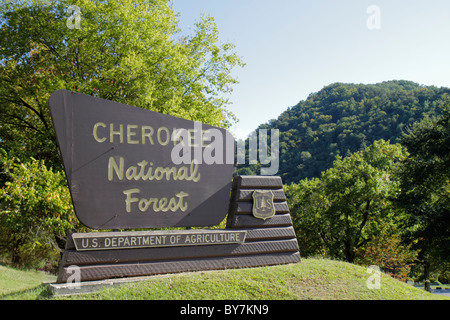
(313,279)
(17,284)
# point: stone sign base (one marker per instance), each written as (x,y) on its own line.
(247,241)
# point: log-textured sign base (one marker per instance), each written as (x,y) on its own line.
(259,232)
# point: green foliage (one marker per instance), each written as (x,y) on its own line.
(126,51)
(342,119)
(426,188)
(35,212)
(307,203)
(350,206)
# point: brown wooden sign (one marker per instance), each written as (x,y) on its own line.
(247,241)
(133,168)
(130,168)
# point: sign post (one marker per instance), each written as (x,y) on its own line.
(130,168)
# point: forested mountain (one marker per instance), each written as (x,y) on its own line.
(343,118)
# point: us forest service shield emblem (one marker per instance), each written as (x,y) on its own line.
(263,207)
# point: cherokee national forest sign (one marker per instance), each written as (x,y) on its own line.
(129,167)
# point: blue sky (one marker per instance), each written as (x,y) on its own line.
(293,47)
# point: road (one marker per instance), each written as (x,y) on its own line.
(445,292)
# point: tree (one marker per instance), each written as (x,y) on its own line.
(359,188)
(389,252)
(127,51)
(350,206)
(425,188)
(307,203)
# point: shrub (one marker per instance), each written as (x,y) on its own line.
(36,213)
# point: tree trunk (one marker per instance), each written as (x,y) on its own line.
(15,259)
(426,276)
(349,252)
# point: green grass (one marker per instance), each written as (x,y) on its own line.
(316,279)
(22,284)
